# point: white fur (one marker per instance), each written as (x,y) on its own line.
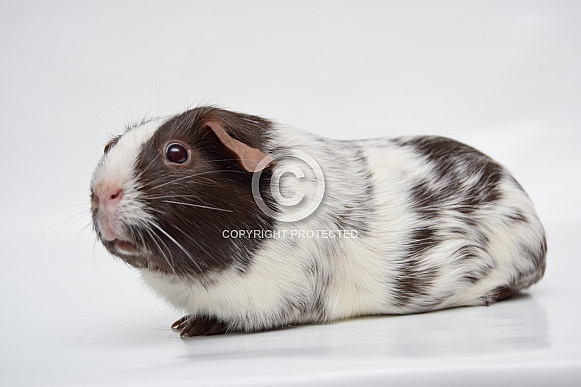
(117,168)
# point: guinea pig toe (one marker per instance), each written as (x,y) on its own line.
(180,324)
(196,326)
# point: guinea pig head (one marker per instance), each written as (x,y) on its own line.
(166,191)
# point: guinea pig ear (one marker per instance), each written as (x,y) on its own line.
(248,157)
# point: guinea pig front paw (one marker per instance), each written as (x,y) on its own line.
(199,325)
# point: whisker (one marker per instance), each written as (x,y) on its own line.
(156,211)
(79,234)
(148,166)
(189,177)
(155,238)
(196,242)
(71,206)
(171,197)
(82,189)
(83,230)
(160,229)
(187,197)
(196,205)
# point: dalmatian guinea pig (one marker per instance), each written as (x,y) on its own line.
(248,225)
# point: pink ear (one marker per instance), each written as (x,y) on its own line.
(248,157)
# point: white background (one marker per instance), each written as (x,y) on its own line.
(503,76)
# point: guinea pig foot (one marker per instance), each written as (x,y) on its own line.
(197,326)
(499,294)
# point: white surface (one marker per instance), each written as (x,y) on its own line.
(502,76)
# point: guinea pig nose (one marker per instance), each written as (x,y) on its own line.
(116,195)
(109,196)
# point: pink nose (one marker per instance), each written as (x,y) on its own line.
(114,195)
(107,196)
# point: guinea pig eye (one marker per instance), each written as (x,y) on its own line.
(177,153)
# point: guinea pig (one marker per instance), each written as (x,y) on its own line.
(248,225)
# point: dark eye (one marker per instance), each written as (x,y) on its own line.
(177,153)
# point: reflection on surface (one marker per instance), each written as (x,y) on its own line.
(515,325)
